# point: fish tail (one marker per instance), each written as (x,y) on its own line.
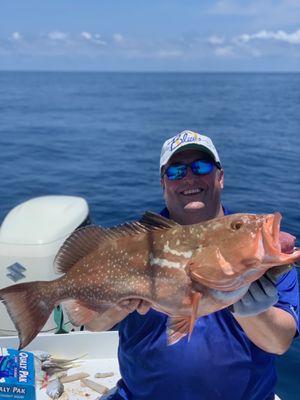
(28,308)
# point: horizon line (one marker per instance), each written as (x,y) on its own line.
(154,71)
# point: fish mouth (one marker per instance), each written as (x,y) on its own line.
(271,242)
(192,192)
(270,234)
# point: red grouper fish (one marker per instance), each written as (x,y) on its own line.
(156,260)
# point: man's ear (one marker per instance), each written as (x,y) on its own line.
(162,183)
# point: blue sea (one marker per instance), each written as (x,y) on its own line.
(99,135)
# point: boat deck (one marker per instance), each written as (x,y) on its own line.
(97,352)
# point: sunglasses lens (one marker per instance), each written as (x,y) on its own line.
(175,172)
(202,167)
(199,167)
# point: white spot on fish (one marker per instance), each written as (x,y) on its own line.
(185,254)
(162,262)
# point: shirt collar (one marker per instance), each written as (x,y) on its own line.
(165,212)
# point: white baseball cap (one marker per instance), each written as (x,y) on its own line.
(186,140)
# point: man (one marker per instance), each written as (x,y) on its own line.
(231,352)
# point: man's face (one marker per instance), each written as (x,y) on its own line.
(194,198)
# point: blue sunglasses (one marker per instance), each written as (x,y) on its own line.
(198,167)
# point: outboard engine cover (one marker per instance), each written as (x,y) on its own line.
(30,237)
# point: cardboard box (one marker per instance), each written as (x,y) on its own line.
(17,378)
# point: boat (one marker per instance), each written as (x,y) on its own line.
(30,236)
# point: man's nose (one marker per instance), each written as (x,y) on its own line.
(190,176)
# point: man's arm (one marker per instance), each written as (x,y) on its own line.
(272,330)
(268,327)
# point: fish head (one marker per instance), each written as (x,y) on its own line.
(238,249)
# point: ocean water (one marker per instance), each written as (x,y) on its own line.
(99,135)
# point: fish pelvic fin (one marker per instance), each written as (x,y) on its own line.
(196,296)
(27,308)
(177,328)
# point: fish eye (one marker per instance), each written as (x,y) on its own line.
(236,225)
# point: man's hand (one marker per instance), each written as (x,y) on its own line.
(141,306)
(261,295)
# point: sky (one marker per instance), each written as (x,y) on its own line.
(150,35)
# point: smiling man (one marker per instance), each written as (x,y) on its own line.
(192,178)
(231,354)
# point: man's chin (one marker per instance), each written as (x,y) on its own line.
(194,206)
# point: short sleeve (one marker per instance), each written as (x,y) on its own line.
(288,292)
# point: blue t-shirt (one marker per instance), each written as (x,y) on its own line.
(219,361)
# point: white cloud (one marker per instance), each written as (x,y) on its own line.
(86,35)
(215,40)
(96,38)
(16,36)
(57,35)
(281,36)
(118,38)
(225,51)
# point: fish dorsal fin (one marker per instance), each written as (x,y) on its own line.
(85,240)
(154,221)
(127,229)
(79,244)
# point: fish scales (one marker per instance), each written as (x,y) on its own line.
(126,273)
(183,271)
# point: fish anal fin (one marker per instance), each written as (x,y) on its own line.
(97,318)
(79,313)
